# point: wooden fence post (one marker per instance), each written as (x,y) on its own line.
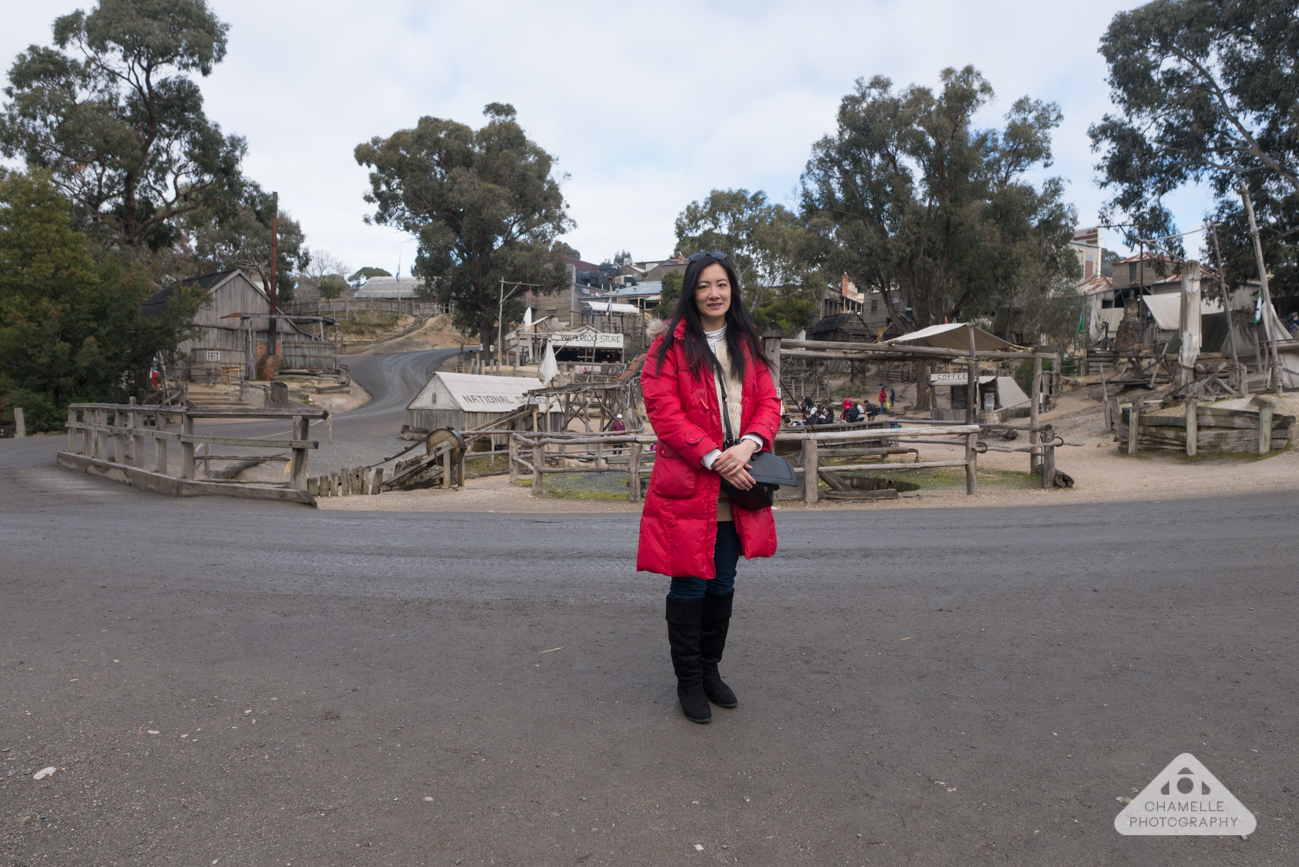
(137,438)
(120,447)
(972,385)
(971,464)
(514,457)
(1105,398)
(378,482)
(811,471)
(1048,458)
(1034,459)
(1134,418)
(1265,429)
(1192,426)
(538,462)
(633,479)
(448,480)
(101,434)
(161,423)
(298,459)
(186,448)
(771,340)
(72,431)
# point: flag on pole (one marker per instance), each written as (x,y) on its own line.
(1082,313)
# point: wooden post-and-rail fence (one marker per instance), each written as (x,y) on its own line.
(113,440)
(537,455)
(1042,440)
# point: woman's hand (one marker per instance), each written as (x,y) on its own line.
(733,464)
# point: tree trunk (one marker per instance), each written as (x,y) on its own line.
(922,385)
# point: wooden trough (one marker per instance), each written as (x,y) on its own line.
(1192,428)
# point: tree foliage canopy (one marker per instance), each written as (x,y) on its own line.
(669,294)
(71,328)
(113,116)
(237,234)
(1208,92)
(768,245)
(916,201)
(483,205)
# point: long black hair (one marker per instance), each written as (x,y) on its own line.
(740,330)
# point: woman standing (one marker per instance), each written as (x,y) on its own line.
(689,531)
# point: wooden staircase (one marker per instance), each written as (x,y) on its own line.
(218,397)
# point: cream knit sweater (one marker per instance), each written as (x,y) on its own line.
(734,402)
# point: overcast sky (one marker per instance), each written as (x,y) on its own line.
(647,106)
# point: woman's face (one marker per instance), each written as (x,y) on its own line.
(713,296)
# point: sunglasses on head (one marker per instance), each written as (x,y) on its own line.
(716,254)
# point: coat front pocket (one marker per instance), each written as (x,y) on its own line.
(674,477)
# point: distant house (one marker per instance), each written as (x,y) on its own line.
(464,401)
(234,330)
(388,288)
(842,327)
(1086,245)
(869,305)
(654,269)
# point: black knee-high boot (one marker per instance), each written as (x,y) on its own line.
(714,621)
(683,637)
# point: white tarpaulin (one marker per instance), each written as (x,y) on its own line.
(549,367)
(1104,320)
(1166,309)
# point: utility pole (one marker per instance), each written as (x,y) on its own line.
(500,317)
(1226,305)
(275,288)
(1268,312)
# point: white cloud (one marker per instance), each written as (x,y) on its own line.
(647,106)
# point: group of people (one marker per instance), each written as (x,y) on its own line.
(817,413)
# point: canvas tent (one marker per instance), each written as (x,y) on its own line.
(466,401)
(954,335)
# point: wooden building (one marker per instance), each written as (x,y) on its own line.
(465,401)
(842,327)
(233,331)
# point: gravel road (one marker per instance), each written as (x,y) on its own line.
(226,682)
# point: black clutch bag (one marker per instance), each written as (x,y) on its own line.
(769,471)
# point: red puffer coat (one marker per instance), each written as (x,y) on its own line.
(678,526)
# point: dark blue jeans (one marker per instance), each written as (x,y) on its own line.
(726,553)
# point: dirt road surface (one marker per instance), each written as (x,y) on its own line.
(235,683)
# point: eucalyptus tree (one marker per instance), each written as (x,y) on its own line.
(918,203)
(113,113)
(483,205)
(1207,92)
